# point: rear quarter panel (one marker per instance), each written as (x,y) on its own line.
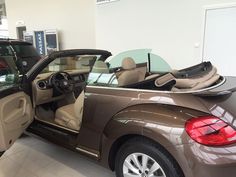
(112,113)
(163,124)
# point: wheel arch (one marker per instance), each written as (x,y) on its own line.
(122,140)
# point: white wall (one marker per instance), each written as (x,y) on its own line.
(173,29)
(74,19)
(4,28)
(220,39)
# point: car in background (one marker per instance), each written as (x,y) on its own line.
(24,54)
(131,113)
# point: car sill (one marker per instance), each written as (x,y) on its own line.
(88,152)
(74,131)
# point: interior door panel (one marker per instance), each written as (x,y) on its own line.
(16,114)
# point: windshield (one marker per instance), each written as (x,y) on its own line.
(81,63)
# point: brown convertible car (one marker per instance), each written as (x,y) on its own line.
(131,112)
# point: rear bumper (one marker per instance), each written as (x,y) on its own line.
(201,161)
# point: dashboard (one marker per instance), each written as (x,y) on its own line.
(43,91)
(45,83)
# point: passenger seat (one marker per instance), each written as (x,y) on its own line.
(130,73)
(70,116)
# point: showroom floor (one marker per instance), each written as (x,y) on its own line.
(30,157)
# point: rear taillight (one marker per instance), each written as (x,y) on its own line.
(210,131)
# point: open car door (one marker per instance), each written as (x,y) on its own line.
(16,112)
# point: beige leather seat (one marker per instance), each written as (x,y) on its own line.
(130,75)
(70,116)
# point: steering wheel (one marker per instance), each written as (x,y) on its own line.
(62,82)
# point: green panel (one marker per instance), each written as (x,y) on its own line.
(139,56)
(158,64)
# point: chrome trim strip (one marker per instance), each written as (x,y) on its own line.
(59,126)
(87,152)
(157,91)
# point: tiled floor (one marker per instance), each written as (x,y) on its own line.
(30,157)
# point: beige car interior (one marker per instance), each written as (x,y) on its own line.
(16,114)
(100,67)
(41,96)
(69,110)
(70,116)
(64,110)
(130,74)
(187,84)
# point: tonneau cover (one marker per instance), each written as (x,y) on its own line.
(227,86)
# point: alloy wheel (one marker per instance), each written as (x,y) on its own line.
(142,165)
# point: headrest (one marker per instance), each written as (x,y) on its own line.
(128,63)
(100,67)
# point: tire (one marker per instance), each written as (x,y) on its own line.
(139,149)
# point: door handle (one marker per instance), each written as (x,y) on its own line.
(22,103)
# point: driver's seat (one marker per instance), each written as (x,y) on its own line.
(70,116)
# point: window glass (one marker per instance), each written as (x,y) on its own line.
(102,79)
(8,72)
(5,50)
(82,63)
(139,56)
(101,75)
(27,56)
(158,64)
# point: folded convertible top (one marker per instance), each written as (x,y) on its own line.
(194,71)
(193,78)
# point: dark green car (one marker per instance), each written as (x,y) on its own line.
(22,53)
